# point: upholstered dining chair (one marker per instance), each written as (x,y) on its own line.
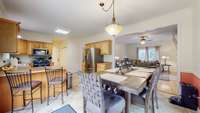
(147,97)
(96,100)
(158,73)
(55,77)
(21,82)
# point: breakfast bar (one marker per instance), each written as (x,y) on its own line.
(38,73)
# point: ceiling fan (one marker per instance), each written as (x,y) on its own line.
(144,39)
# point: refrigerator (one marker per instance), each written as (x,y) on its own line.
(92,56)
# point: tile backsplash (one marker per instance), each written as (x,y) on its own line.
(4,59)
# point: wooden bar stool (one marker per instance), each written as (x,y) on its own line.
(21,81)
(55,77)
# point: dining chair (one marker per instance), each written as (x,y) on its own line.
(21,82)
(55,77)
(158,74)
(96,100)
(147,97)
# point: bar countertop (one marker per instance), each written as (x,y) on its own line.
(34,70)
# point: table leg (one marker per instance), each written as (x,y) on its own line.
(128,102)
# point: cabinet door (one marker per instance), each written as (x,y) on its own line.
(21,46)
(31,45)
(106,47)
(8,33)
(49,46)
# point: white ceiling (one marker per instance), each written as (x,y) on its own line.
(84,17)
(155,36)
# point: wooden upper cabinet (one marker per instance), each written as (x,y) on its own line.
(31,45)
(34,44)
(21,46)
(48,46)
(105,46)
(8,35)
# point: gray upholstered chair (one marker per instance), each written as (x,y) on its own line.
(147,98)
(158,73)
(96,100)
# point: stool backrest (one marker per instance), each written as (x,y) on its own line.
(54,72)
(92,90)
(19,79)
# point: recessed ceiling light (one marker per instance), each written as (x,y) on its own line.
(19,36)
(62,31)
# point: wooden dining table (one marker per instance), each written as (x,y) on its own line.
(132,82)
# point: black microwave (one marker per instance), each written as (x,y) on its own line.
(40,52)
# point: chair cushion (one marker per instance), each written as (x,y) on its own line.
(56,80)
(113,104)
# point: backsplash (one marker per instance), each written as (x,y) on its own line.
(4,59)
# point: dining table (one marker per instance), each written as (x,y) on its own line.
(132,82)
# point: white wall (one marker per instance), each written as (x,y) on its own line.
(1,9)
(121,50)
(132,51)
(196,45)
(71,56)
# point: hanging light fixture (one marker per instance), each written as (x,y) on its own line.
(114,28)
(142,40)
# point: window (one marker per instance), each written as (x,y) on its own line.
(142,54)
(148,54)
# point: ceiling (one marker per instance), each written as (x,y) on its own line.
(84,17)
(157,35)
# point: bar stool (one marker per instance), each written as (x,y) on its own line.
(21,81)
(55,77)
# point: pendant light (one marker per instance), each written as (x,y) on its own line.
(114,28)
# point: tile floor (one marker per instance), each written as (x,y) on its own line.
(75,100)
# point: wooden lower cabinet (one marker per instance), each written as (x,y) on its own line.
(103,66)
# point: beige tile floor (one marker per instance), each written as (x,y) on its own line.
(75,100)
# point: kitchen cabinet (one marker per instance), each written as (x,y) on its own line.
(21,47)
(35,44)
(48,46)
(8,32)
(31,45)
(103,66)
(105,46)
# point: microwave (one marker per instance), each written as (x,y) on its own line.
(40,52)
